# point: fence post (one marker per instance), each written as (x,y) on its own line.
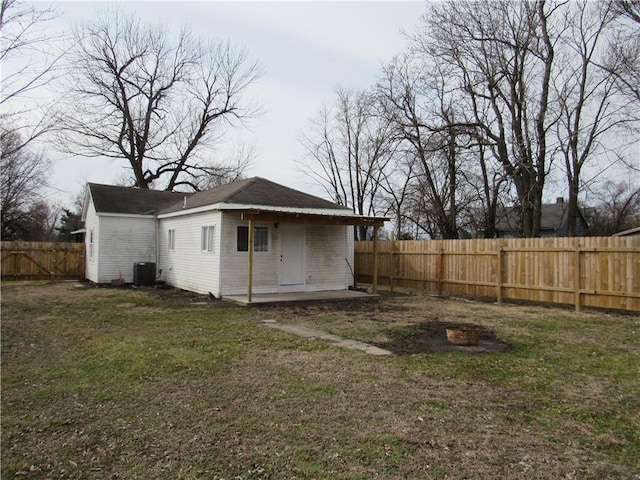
(52,260)
(16,264)
(576,275)
(499,279)
(440,271)
(391,260)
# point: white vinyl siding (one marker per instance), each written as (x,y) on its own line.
(234,264)
(119,242)
(186,267)
(350,249)
(326,257)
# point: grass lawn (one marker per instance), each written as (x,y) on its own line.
(119,384)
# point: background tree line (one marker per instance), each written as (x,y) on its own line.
(120,88)
(494,105)
(491,103)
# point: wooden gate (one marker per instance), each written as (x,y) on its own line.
(42,261)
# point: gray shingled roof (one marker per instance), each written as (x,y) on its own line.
(552,217)
(128,200)
(255,191)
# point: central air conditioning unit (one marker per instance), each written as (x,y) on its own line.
(144,273)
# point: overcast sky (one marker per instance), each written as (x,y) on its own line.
(305,50)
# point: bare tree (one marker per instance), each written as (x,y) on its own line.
(230,169)
(622,59)
(491,93)
(22,175)
(398,185)
(417,104)
(617,208)
(349,149)
(627,8)
(500,56)
(138,93)
(489,186)
(586,96)
(30,56)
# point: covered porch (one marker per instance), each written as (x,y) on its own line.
(276,217)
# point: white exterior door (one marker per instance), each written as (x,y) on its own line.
(291,255)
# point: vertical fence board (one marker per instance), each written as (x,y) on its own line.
(605,270)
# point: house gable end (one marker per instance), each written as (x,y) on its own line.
(85,204)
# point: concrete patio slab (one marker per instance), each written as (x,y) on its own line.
(293,297)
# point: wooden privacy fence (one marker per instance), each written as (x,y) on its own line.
(40,261)
(586,272)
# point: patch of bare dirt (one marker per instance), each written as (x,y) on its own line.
(432,337)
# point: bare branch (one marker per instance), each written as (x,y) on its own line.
(161,103)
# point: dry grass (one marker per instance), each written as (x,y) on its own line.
(110,383)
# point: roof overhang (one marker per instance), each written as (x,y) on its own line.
(333,218)
(125,215)
(267,213)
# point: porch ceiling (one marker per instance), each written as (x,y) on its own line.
(312,218)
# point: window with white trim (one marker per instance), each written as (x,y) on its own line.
(260,239)
(171,239)
(206,243)
(91,243)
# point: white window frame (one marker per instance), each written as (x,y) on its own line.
(207,239)
(171,239)
(256,248)
(91,243)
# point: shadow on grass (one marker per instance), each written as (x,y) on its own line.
(430,337)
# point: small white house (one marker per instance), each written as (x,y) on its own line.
(250,236)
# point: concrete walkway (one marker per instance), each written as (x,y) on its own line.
(317,334)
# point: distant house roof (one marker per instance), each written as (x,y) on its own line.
(251,192)
(552,218)
(628,233)
(255,191)
(132,201)
(552,215)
